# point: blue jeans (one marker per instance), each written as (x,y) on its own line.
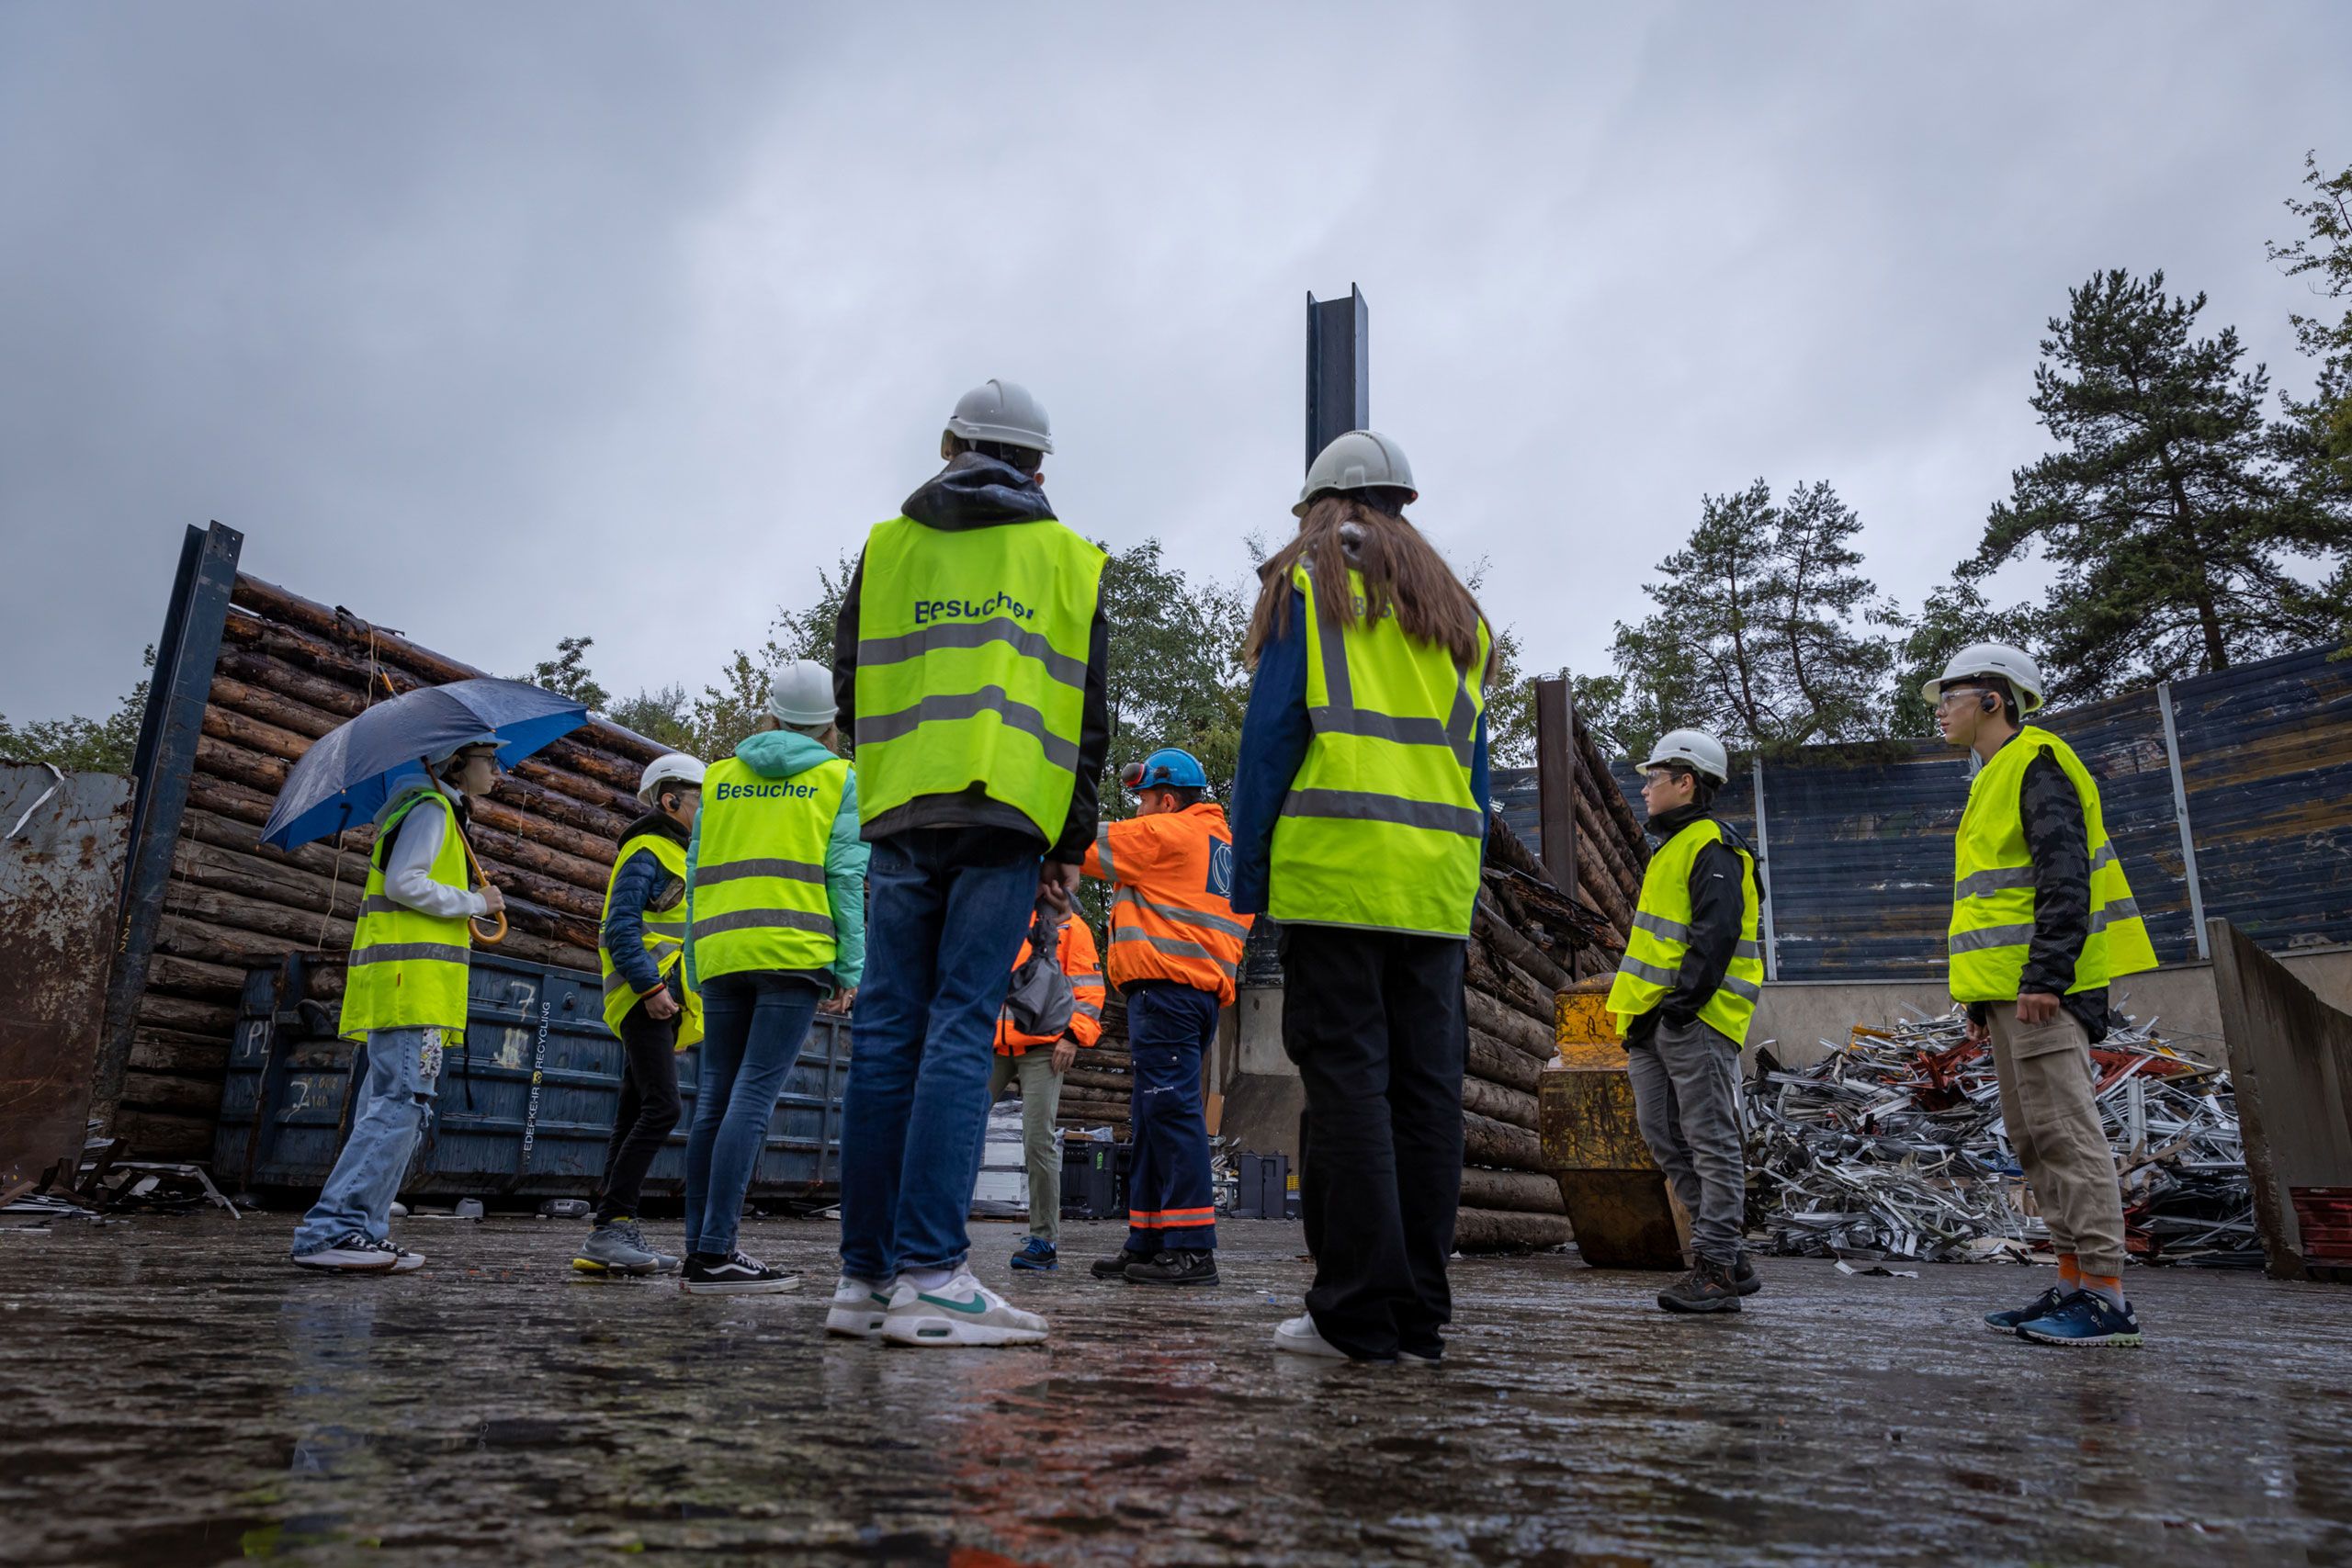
(394,1098)
(753,1026)
(946,912)
(1171,1204)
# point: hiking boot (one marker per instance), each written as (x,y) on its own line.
(858,1308)
(2085,1318)
(1192,1266)
(1743,1275)
(733,1274)
(618,1246)
(1116,1267)
(1039,1257)
(360,1252)
(961,1311)
(1301,1337)
(1709,1286)
(2041,1306)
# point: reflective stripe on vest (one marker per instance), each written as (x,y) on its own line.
(665,939)
(758,897)
(1171,911)
(408,969)
(1661,936)
(1380,830)
(1993,900)
(971,665)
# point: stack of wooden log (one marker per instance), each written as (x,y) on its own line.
(1098,1091)
(1529,939)
(289,670)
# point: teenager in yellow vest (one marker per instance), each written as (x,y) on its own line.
(2042,918)
(970,656)
(640,948)
(404,994)
(1359,818)
(1691,975)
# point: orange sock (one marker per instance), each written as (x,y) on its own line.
(2070,1273)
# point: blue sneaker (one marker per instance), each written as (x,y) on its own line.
(2049,1300)
(1037,1256)
(2084,1318)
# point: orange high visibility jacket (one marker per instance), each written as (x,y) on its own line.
(1076,953)
(1171,908)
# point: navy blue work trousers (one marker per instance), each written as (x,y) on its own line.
(1171,1205)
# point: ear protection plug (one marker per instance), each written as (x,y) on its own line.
(1989,703)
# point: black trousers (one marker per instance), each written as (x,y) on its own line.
(649,1108)
(1375,1022)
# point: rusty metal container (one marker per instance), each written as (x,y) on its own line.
(1617,1203)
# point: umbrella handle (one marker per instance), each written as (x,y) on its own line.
(486,927)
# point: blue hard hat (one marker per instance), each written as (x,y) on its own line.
(1167,768)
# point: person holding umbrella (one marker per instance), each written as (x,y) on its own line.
(404,997)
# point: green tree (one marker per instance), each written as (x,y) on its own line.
(1950,619)
(1176,676)
(665,714)
(1762,633)
(80,744)
(2316,436)
(2168,514)
(566,673)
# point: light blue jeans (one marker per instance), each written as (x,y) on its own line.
(403,1072)
(754,1026)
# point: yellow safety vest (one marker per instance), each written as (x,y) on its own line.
(759,899)
(665,939)
(1380,830)
(1661,936)
(408,969)
(1992,904)
(971,665)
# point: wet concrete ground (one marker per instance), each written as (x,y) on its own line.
(173,1392)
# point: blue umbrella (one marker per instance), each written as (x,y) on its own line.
(348,773)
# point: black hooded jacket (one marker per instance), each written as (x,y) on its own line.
(1718,917)
(977,492)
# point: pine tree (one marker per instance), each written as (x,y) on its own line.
(2316,436)
(2169,512)
(566,673)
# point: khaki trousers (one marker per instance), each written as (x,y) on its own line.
(1041,1095)
(2046,1079)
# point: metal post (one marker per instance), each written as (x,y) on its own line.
(1555,779)
(1763,860)
(168,731)
(1339,369)
(2180,816)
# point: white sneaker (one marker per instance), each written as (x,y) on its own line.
(360,1254)
(859,1306)
(962,1312)
(1301,1337)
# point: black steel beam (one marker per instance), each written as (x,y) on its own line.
(1555,779)
(1339,368)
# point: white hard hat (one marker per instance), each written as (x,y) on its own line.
(674,767)
(1002,412)
(1983,659)
(1694,749)
(442,755)
(802,693)
(1358,460)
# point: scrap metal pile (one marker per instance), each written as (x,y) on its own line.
(1892,1147)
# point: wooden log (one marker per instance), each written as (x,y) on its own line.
(1496,1230)
(537,769)
(1479,974)
(1512,1105)
(256,772)
(574,870)
(240,950)
(1112,1083)
(321,694)
(1604,783)
(160,1136)
(1488,1058)
(170,1093)
(158,1010)
(269,739)
(330,934)
(261,705)
(195,977)
(1523,1192)
(1485,1141)
(516,820)
(1518,948)
(1509,1026)
(1613,885)
(176,1051)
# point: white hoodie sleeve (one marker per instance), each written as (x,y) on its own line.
(408,876)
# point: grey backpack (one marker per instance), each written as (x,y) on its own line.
(1040,1000)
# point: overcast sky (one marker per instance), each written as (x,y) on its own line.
(500,324)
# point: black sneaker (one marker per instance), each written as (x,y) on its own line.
(1743,1277)
(2041,1306)
(1192,1267)
(1709,1286)
(732,1274)
(1116,1267)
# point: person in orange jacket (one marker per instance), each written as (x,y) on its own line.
(1039,1061)
(1175,953)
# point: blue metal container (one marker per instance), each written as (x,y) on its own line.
(526,1107)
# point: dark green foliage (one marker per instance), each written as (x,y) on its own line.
(567,672)
(2172,522)
(2316,436)
(77,744)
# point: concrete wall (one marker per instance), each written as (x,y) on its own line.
(1797,1016)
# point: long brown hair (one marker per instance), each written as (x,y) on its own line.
(1401,575)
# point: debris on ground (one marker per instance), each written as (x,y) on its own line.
(1892,1147)
(107,1182)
